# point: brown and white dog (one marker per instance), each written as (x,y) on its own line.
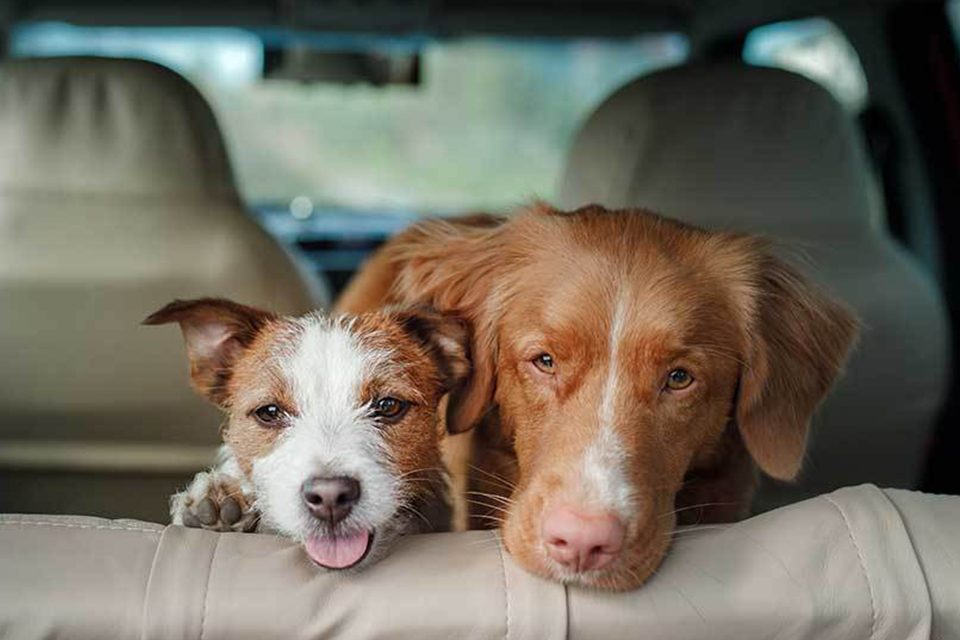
(625,366)
(332,432)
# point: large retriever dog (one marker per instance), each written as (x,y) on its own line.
(629,372)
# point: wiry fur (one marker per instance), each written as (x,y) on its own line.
(325,374)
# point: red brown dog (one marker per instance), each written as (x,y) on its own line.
(624,365)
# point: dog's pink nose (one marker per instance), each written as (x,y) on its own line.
(581,541)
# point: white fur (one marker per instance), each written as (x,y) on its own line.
(612,382)
(226,471)
(227,463)
(603,471)
(332,434)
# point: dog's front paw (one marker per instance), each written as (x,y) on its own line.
(215,501)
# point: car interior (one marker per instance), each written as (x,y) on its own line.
(262,150)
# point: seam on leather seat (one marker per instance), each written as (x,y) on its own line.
(66,525)
(146,591)
(863,566)
(506,590)
(206,590)
(913,545)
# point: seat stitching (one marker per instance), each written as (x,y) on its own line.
(146,592)
(863,566)
(506,592)
(206,590)
(916,552)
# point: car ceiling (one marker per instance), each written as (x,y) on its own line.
(441,17)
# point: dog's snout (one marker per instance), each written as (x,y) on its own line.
(331,498)
(581,541)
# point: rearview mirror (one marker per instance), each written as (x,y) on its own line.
(307,64)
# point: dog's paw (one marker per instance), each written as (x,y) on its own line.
(215,501)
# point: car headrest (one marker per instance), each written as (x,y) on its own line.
(107,126)
(727,146)
(116,197)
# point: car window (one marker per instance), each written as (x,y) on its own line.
(487,127)
(815,48)
(331,170)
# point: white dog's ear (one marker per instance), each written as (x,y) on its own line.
(216,331)
(446,337)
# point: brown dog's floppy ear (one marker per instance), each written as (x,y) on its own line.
(471,401)
(445,337)
(216,331)
(453,267)
(797,344)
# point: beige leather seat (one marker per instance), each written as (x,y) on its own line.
(858,564)
(728,146)
(116,196)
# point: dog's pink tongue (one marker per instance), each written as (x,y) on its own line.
(338,552)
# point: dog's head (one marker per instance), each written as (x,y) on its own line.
(621,349)
(333,420)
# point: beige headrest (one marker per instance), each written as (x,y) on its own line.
(116,197)
(98,125)
(726,146)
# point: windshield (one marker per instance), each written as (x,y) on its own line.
(488,126)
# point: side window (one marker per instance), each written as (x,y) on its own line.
(815,48)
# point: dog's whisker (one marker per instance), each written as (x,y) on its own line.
(699,506)
(485,543)
(435,481)
(497,521)
(503,481)
(490,514)
(493,496)
(492,507)
(405,474)
(416,512)
(499,515)
(679,533)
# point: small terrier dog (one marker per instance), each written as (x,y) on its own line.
(332,428)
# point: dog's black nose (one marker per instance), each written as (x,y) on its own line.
(331,498)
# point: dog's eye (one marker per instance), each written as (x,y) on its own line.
(544,362)
(269,414)
(679,379)
(389,408)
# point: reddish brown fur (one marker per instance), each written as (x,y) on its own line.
(426,372)
(256,378)
(764,347)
